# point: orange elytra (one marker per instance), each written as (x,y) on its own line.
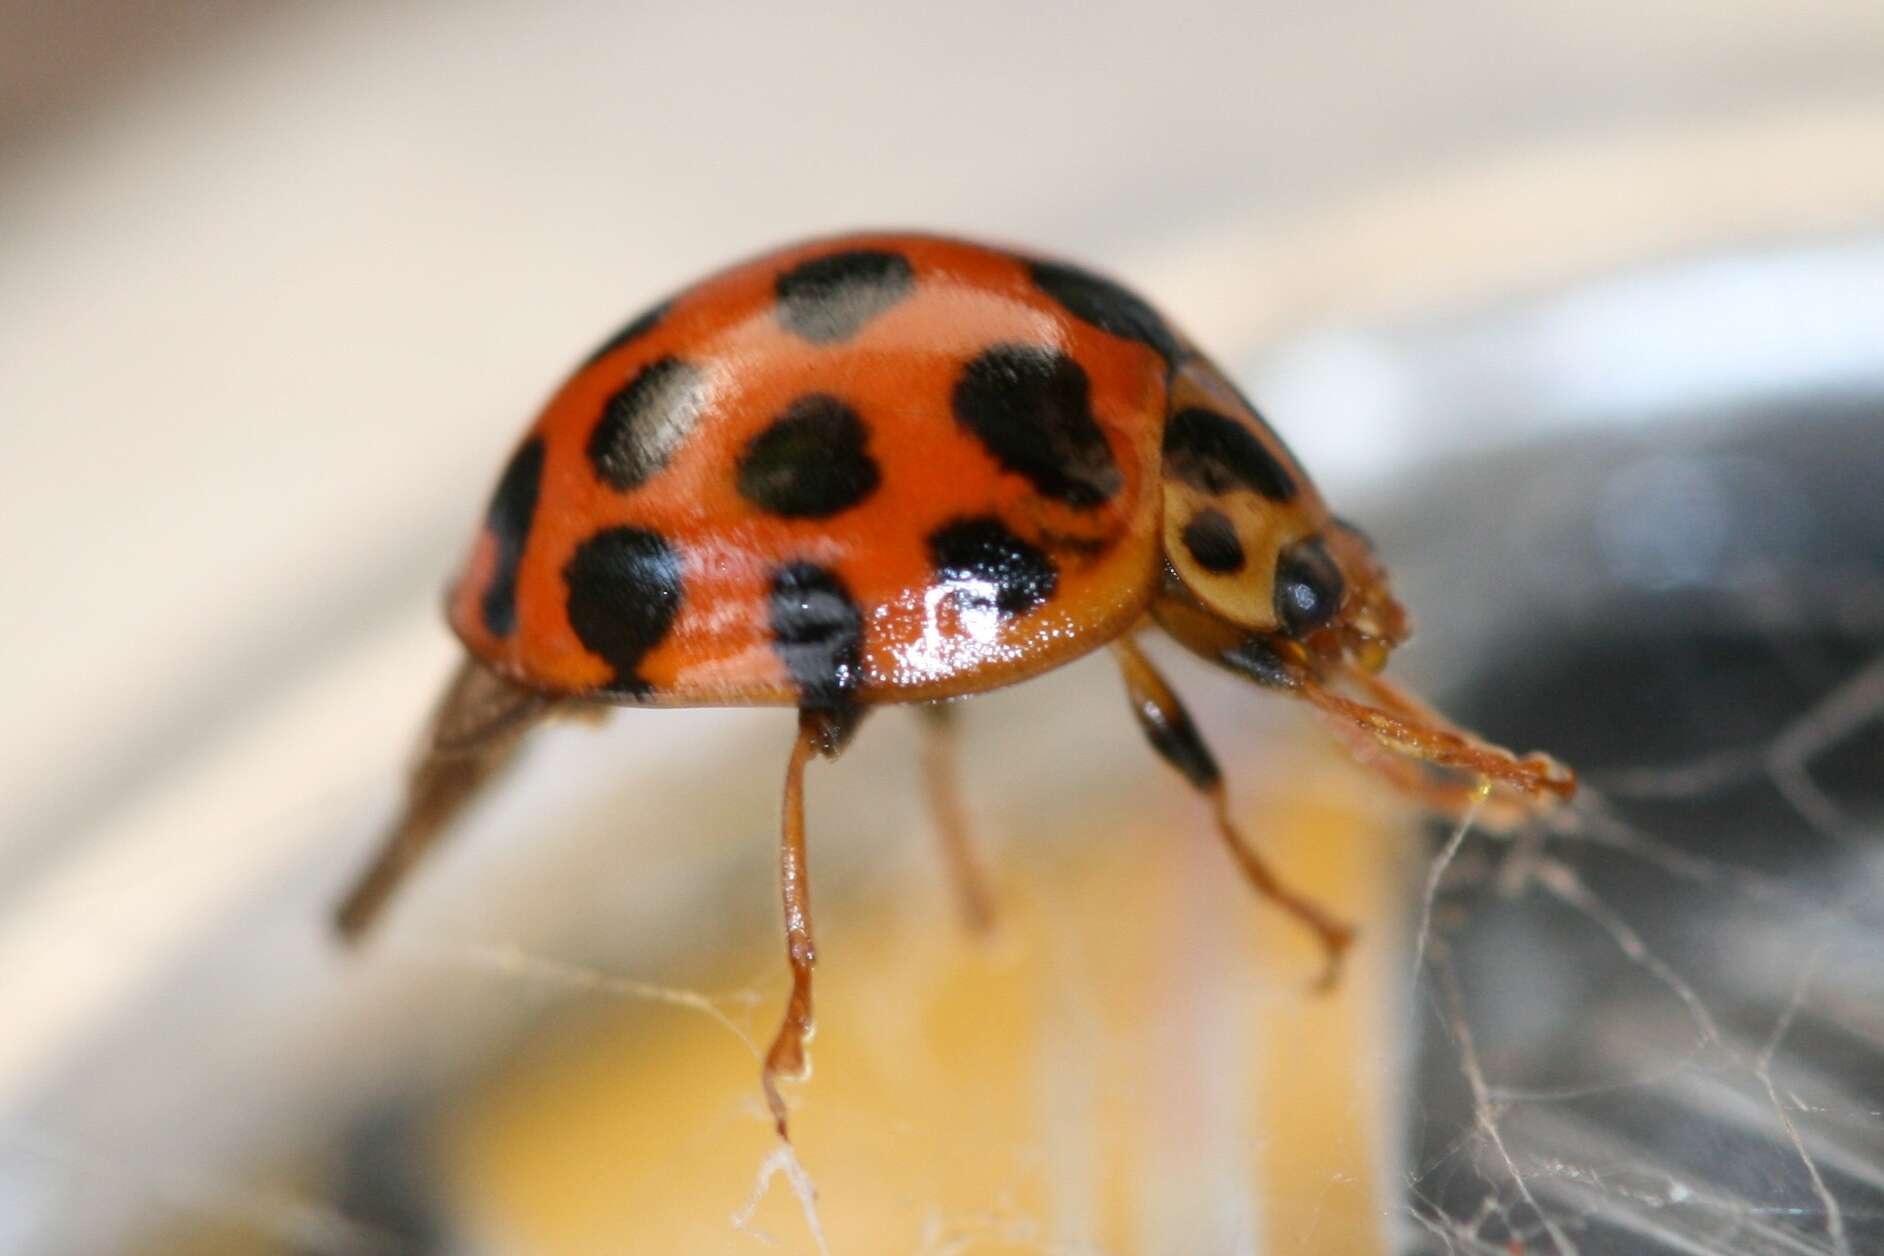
(900,468)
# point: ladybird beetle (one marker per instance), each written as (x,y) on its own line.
(898,468)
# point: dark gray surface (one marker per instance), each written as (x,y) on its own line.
(1674,1009)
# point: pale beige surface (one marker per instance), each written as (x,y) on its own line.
(1133,1064)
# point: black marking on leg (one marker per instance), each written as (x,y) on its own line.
(828,299)
(1177,741)
(1309,587)
(1031,406)
(513,510)
(1106,305)
(986,567)
(640,326)
(1257,659)
(818,633)
(1215,454)
(1212,541)
(831,729)
(811,463)
(624,591)
(646,421)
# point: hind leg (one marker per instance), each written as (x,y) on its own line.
(1172,734)
(473,735)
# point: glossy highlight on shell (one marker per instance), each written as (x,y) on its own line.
(896,468)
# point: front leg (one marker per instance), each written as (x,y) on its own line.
(1398,724)
(1172,734)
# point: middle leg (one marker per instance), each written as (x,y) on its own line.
(941,777)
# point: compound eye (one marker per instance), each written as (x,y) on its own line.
(1309,587)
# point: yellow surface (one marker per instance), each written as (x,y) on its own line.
(1132,1065)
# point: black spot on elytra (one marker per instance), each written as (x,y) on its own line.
(1309,587)
(513,509)
(624,591)
(1106,305)
(811,463)
(1211,539)
(818,633)
(986,567)
(828,299)
(1215,454)
(1032,407)
(646,421)
(638,327)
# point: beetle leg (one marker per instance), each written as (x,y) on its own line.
(1452,797)
(1500,807)
(474,733)
(1172,734)
(942,779)
(1400,723)
(786,1057)
(825,733)
(1404,724)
